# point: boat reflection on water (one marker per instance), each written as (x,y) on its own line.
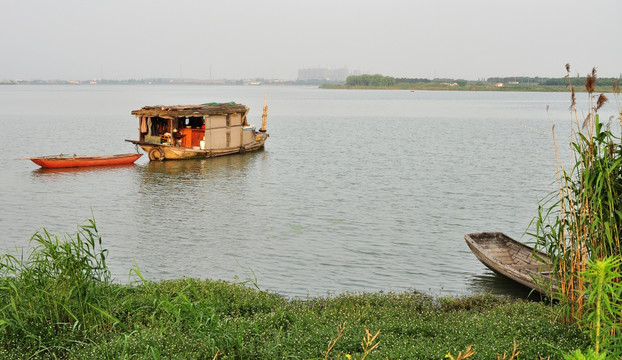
(200,180)
(226,165)
(491,283)
(69,171)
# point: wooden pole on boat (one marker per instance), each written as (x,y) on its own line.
(265,114)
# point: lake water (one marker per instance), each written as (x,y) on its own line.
(355,191)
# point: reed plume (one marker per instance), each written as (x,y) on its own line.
(590,81)
(602,99)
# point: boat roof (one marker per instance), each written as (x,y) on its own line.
(177,111)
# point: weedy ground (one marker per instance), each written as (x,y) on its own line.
(204,319)
(59,302)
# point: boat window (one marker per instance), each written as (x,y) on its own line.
(157,126)
(195,122)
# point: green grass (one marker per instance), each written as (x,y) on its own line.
(58,302)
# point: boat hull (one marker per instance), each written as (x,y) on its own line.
(55,162)
(513,260)
(159,152)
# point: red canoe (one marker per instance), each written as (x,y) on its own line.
(64,161)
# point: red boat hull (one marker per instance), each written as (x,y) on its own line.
(81,161)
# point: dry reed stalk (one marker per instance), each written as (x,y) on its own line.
(579,233)
(616,93)
(512,356)
(341,328)
(467,354)
(369,343)
(561,241)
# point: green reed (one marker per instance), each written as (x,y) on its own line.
(60,287)
(603,304)
(582,222)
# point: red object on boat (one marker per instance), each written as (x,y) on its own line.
(61,161)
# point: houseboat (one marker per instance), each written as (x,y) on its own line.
(197,131)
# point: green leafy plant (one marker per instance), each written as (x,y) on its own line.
(603,302)
(589,355)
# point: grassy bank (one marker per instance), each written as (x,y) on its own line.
(191,319)
(59,302)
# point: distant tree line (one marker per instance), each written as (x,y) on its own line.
(378,80)
(412,81)
(460,82)
(576,81)
(370,80)
(579,81)
(388,81)
(516,79)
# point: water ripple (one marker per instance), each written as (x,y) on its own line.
(356,190)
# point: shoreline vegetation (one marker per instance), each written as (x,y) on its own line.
(59,301)
(517,84)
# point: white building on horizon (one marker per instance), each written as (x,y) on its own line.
(323,74)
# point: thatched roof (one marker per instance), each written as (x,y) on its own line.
(177,111)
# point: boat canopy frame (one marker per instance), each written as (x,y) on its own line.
(187,111)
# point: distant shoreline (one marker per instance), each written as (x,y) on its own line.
(511,84)
(539,88)
(408,87)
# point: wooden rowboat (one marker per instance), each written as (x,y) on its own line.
(513,259)
(64,161)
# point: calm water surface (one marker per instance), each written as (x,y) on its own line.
(355,191)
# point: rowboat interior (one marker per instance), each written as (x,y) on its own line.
(513,259)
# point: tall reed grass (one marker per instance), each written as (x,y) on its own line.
(62,285)
(582,222)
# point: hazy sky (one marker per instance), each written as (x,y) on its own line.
(233,39)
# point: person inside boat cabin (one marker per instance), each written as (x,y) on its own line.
(177,136)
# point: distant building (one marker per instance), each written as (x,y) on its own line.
(323,74)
